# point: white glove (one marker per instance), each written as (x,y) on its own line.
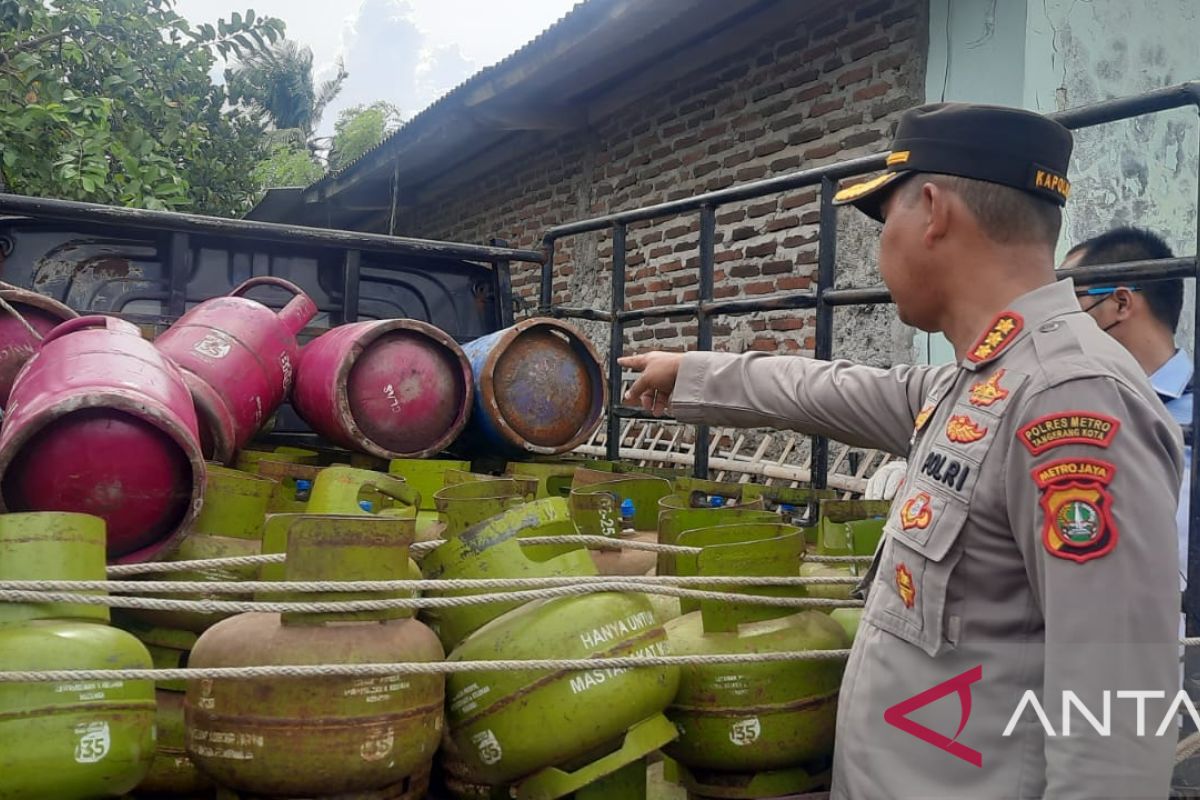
(886,481)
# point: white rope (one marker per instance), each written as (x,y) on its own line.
(194,564)
(597,542)
(412,667)
(456,584)
(240,606)
(1187,748)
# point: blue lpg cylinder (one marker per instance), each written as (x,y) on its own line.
(539,390)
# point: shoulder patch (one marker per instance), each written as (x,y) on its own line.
(1068,427)
(1077,522)
(961,429)
(989,391)
(997,337)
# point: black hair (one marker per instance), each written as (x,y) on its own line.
(1006,215)
(1165,298)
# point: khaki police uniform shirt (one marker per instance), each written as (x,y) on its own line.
(1030,549)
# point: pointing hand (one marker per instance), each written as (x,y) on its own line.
(652,389)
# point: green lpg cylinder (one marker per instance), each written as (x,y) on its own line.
(461,505)
(773,721)
(427,476)
(492,549)
(249,459)
(554,478)
(329,736)
(230,524)
(351,491)
(675,517)
(294,485)
(851,537)
(342,490)
(509,725)
(67,741)
(624,509)
(172,773)
(527,485)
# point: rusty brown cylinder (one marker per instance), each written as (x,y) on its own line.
(321,736)
(396,388)
(539,390)
(25,318)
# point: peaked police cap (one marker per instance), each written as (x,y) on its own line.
(1008,146)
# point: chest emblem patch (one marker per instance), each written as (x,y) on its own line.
(988,392)
(905,585)
(923,417)
(917,512)
(962,429)
(1068,427)
(1077,508)
(1003,331)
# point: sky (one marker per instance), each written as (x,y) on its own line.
(408,52)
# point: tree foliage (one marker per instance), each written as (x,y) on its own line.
(111,101)
(288,165)
(278,83)
(360,128)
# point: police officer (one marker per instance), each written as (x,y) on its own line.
(1143,318)
(1027,572)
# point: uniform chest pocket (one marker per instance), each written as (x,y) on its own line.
(920,551)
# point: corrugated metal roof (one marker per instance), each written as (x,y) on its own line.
(577,12)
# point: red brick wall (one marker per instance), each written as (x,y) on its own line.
(828,88)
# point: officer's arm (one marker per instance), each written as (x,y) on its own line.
(862,406)
(1095,524)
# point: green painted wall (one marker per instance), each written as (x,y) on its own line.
(1049,55)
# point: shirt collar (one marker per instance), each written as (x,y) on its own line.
(1171,379)
(1029,311)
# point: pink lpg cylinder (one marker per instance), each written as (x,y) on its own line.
(238,358)
(396,388)
(25,317)
(99,422)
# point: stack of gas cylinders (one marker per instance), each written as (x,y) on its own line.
(115,450)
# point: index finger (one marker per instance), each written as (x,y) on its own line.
(633,362)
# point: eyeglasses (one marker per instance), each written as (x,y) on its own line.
(1096,291)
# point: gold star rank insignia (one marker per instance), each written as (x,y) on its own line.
(999,335)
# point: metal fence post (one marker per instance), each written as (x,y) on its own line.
(546,299)
(708,243)
(823,334)
(350,275)
(616,341)
(180,261)
(503,285)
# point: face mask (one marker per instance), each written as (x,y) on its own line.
(1109,326)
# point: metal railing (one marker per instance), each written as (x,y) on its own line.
(824,298)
